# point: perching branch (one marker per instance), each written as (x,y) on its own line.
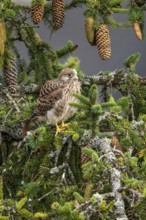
(116,77)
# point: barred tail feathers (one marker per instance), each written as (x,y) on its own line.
(29,119)
(25,123)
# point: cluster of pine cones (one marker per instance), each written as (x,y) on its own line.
(58,12)
(37,13)
(97,36)
(100,36)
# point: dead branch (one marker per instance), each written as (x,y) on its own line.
(12,101)
(115,176)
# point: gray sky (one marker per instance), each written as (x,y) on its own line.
(123,43)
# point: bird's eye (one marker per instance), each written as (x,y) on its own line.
(70,75)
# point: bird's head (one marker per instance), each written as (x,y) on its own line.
(68,75)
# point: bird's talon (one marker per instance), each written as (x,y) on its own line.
(63,125)
(61,128)
(58,130)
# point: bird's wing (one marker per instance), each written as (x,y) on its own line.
(50,93)
(60,107)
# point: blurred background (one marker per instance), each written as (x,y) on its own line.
(123,43)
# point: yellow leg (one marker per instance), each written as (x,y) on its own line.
(61,128)
(63,125)
(58,130)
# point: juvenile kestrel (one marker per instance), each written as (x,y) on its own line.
(55,96)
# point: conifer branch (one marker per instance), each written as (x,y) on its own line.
(75,3)
(70,47)
(117,77)
(120,10)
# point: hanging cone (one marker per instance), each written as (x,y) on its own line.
(137,30)
(89,29)
(58,13)
(37,13)
(2,40)
(103,41)
(37,37)
(10,73)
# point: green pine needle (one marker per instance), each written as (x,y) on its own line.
(80,106)
(82,99)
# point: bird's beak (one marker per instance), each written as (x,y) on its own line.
(75,78)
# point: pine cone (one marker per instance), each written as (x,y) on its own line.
(10,74)
(103,41)
(58,13)
(2,37)
(137,30)
(37,13)
(89,29)
(37,37)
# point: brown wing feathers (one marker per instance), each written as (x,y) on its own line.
(49,94)
(47,101)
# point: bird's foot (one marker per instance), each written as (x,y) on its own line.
(63,125)
(60,128)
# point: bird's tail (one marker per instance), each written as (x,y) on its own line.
(29,119)
(25,123)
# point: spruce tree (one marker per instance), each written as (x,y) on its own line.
(95,168)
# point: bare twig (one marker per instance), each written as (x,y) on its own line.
(12,100)
(44,196)
(5,118)
(119,152)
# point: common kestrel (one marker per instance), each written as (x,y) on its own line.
(55,96)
